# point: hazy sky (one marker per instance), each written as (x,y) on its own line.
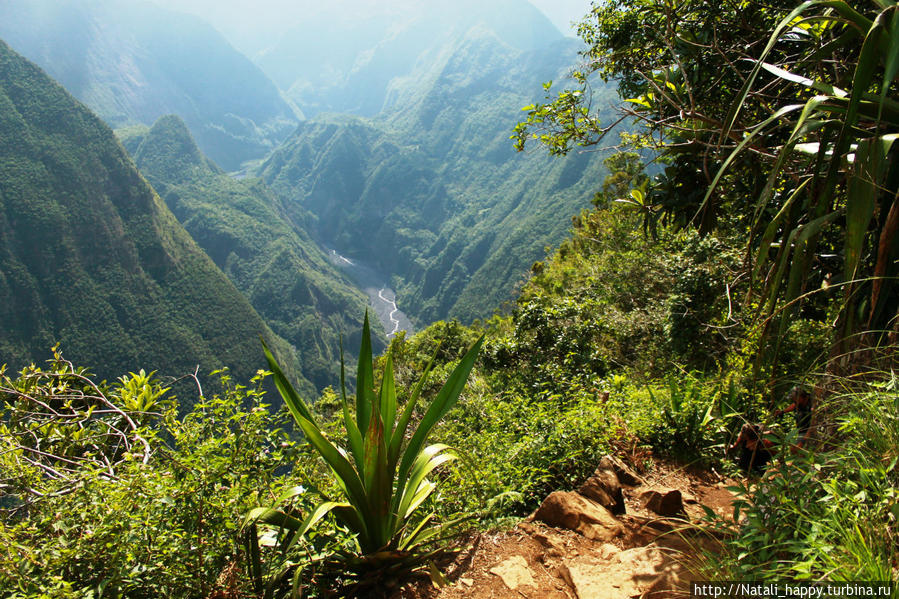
(563,12)
(231,16)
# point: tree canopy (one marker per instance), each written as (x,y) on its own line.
(774,122)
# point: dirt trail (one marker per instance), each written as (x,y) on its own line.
(585,551)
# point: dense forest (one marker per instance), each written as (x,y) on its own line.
(738,262)
(93,259)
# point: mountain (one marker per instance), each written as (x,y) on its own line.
(92,258)
(133,62)
(444,202)
(347,56)
(243,227)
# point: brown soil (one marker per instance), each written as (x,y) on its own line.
(651,558)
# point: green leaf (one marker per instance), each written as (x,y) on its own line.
(388,396)
(292,400)
(399,433)
(345,475)
(446,398)
(272,516)
(740,147)
(794,78)
(377,482)
(425,463)
(365,380)
(416,534)
(773,226)
(314,516)
(354,435)
(860,200)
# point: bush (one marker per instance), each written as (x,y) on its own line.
(830,514)
(83,518)
(382,478)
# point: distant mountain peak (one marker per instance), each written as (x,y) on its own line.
(169,145)
(132,62)
(330,62)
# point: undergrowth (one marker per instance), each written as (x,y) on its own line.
(829,511)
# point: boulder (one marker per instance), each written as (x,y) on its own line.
(603,488)
(608,551)
(664,502)
(573,511)
(625,475)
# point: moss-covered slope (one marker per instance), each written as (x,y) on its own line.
(91,257)
(242,226)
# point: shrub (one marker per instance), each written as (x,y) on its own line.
(87,511)
(381,477)
(830,514)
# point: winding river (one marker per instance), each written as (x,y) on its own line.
(381,297)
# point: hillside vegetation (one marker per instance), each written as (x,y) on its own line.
(243,227)
(90,256)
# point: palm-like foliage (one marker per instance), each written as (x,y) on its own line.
(382,476)
(837,163)
(779,117)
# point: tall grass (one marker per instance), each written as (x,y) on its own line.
(829,513)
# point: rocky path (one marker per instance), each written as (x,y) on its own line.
(621,535)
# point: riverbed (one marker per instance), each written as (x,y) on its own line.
(380,296)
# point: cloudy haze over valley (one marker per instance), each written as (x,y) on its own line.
(285,133)
(252,30)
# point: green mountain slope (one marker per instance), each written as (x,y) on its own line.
(91,257)
(446,204)
(242,226)
(133,62)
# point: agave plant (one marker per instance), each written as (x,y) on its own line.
(381,474)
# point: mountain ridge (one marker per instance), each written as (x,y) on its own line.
(358,76)
(246,231)
(134,62)
(451,211)
(91,257)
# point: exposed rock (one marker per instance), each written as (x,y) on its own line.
(575,512)
(607,551)
(664,502)
(654,523)
(514,572)
(632,573)
(625,475)
(603,487)
(553,548)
